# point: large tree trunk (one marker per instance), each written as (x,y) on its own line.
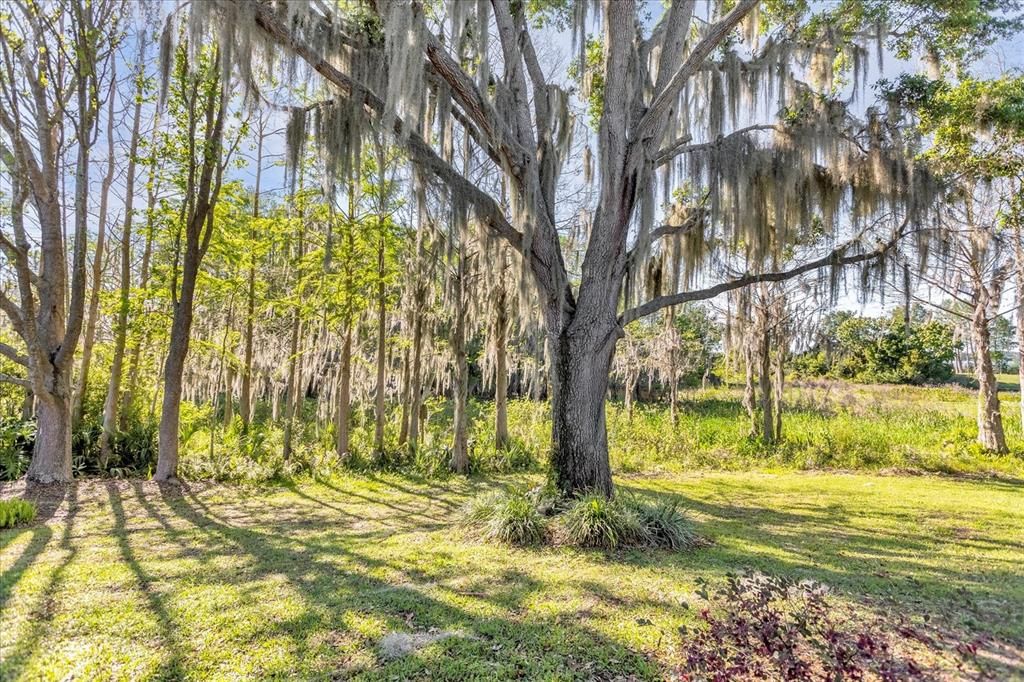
(51,455)
(990,421)
(579,383)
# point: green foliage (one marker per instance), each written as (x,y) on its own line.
(665,525)
(870,349)
(977,126)
(510,516)
(591,76)
(594,520)
(16,440)
(13,512)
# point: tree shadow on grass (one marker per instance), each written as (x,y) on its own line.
(889,566)
(170,667)
(43,611)
(335,598)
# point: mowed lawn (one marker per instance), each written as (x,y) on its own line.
(127,580)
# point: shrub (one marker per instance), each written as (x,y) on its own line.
(665,525)
(17,437)
(769,627)
(509,516)
(595,521)
(13,512)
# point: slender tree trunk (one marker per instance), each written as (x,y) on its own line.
(406,399)
(227,370)
(764,379)
(990,421)
(174,367)
(416,380)
(143,342)
(501,322)
(780,376)
(199,224)
(121,322)
(460,443)
(97,268)
(748,385)
(1018,243)
(245,401)
(345,395)
(292,387)
(630,388)
(378,437)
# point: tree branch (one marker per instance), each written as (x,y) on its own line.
(11,353)
(680,146)
(19,381)
(834,258)
(712,39)
(419,150)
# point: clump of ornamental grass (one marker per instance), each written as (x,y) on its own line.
(594,520)
(509,516)
(14,512)
(665,525)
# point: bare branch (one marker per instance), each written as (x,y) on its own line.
(712,39)
(12,354)
(834,258)
(680,146)
(19,381)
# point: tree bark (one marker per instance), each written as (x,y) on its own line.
(345,395)
(51,455)
(110,404)
(174,365)
(501,322)
(378,434)
(990,421)
(764,374)
(97,266)
(199,224)
(581,365)
(460,427)
(292,388)
(245,400)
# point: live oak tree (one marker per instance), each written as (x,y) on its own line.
(666,102)
(55,61)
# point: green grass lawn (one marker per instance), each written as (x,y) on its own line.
(125,580)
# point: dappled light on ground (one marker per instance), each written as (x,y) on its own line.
(131,580)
